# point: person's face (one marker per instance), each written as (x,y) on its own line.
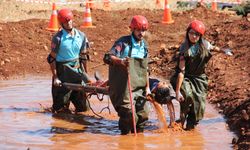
(163,84)
(68,25)
(139,34)
(193,36)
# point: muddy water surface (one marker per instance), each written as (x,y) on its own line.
(24,124)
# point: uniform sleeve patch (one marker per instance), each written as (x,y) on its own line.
(53,45)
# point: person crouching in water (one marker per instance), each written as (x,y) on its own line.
(163,93)
(190,80)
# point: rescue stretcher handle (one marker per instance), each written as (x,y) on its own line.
(86,88)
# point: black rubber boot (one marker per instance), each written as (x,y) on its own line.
(191,121)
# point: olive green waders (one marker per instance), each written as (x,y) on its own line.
(194,88)
(69,72)
(119,93)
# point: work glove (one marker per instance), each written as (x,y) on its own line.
(57,82)
(228,51)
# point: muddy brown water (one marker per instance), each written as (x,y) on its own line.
(24,125)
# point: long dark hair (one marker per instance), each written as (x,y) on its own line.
(202,50)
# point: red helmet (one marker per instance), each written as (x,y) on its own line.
(64,15)
(139,22)
(198,26)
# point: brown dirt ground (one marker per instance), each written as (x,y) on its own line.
(24,46)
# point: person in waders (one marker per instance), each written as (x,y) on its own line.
(67,61)
(128,57)
(190,80)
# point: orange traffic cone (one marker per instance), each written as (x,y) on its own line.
(106,5)
(214,5)
(167,19)
(53,24)
(87,21)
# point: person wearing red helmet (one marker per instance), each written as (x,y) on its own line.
(128,56)
(67,61)
(64,16)
(190,80)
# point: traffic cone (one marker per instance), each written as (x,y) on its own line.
(53,24)
(106,5)
(214,5)
(87,21)
(167,19)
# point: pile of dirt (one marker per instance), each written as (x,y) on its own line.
(24,46)
(229,86)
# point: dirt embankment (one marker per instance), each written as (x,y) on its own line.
(24,46)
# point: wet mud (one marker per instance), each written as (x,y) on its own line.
(27,123)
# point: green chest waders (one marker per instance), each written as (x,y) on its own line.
(71,73)
(119,93)
(194,87)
